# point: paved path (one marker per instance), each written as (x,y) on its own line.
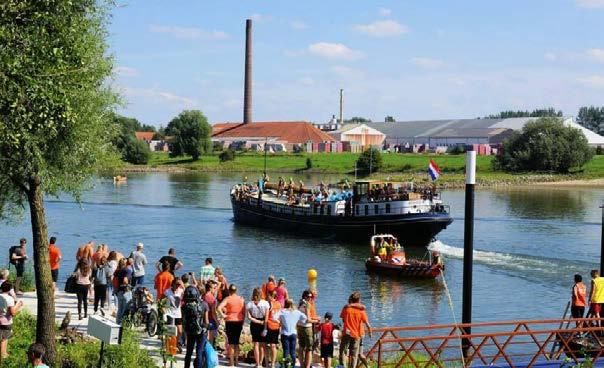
(68,302)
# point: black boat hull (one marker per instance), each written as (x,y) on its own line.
(411,229)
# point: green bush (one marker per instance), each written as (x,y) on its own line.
(135,151)
(457,149)
(28,282)
(544,145)
(84,354)
(228,155)
(308,163)
(599,150)
(369,161)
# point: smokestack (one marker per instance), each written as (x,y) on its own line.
(247,89)
(341,106)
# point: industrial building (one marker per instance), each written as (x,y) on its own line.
(359,136)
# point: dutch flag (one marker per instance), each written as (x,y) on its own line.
(433,170)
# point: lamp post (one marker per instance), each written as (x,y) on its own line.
(468,245)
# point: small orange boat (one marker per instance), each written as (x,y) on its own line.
(388,257)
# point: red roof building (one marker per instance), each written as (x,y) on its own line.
(144,136)
(294,132)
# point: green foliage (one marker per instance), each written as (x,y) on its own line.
(28,282)
(591,117)
(358,119)
(544,145)
(83,354)
(537,113)
(54,100)
(389,119)
(599,150)
(217,146)
(136,151)
(308,163)
(191,134)
(228,155)
(370,161)
(457,149)
(131,149)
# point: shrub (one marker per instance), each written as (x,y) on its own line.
(217,146)
(28,282)
(457,149)
(544,145)
(136,151)
(308,163)
(369,161)
(228,155)
(599,150)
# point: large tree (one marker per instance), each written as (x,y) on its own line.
(591,117)
(54,107)
(133,150)
(537,113)
(190,134)
(545,144)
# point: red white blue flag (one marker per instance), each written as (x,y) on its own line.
(433,170)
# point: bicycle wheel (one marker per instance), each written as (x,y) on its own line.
(152,319)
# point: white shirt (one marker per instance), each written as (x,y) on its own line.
(6,301)
(258,311)
(174,299)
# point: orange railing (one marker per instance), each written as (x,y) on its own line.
(504,344)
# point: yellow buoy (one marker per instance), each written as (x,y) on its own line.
(311,274)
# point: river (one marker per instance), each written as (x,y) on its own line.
(529,242)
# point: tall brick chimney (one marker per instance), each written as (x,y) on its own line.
(247,89)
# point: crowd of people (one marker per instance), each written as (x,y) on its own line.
(201,307)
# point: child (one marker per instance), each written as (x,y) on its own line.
(327,340)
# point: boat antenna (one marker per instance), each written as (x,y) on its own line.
(265,147)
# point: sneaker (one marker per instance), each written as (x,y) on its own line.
(102,312)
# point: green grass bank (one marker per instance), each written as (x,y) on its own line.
(395,166)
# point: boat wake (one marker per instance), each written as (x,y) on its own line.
(522,265)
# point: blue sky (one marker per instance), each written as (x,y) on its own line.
(413,60)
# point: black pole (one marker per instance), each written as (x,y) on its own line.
(265,143)
(602,244)
(468,245)
(102,354)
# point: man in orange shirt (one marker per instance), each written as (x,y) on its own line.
(352,331)
(55,256)
(577,309)
(163,280)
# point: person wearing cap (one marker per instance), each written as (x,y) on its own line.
(326,329)
(139,260)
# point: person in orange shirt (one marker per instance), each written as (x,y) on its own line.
(55,256)
(577,309)
(233,309)
(352,331)
(268,287)
(163,280)
(272,327)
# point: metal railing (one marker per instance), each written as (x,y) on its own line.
(503,344)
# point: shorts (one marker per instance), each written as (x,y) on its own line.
(327,351)
(577,312)
(350,344)
(256,330)
(177,321)
(20,267)
(595,308)
(305,337)
(272,336)
(6,332)
(233,331)
(212,326)
(55,275)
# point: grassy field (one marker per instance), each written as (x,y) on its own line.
(395,166)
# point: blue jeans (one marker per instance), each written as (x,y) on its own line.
(198,342)
(138,280)
(123,299)
(289,347)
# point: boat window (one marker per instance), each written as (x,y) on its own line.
(366,210)
(387,207)
(376,209)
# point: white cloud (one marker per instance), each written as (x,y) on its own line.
(384,12)
(125,71)
(382,28)
(156,94)
(550,56)
(596,54)
(590,3)
(189,33)
(307,81)
(593,81)
(334,51)
(298,25)
(427,63)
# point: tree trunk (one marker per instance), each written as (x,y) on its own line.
(45,327)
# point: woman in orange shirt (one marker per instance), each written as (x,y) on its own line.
(232,308)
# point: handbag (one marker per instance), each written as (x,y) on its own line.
(211,356)
(70,284)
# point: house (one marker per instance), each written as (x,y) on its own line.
(144,136)
(290,135)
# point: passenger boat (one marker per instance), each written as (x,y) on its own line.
(388,257)
(413,214)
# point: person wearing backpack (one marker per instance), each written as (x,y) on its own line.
(195,321)
(17,257)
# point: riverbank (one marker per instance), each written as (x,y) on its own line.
(403,167)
